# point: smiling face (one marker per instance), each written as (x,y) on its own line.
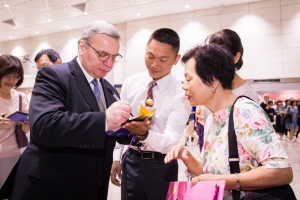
(89,57)
(9,81)
(193,85)
(159,59)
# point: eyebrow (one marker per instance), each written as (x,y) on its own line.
(158,57)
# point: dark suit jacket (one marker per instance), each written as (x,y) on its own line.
(69,155)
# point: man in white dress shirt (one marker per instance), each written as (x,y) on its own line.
(144,174)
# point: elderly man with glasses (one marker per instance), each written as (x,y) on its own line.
(70,156)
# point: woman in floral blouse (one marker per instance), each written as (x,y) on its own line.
(209,71)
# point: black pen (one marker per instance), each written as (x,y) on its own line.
(116,97)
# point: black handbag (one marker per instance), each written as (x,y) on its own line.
(284,192)
(21,138)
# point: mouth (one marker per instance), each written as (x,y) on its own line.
(154,71)
(104,71)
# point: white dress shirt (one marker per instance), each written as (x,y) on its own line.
(169,119)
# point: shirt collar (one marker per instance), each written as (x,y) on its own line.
(161,83)
(87,76)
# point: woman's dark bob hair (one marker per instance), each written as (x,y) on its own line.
(212,62)
(231,40)
(9,65)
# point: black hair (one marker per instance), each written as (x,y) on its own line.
(10,64)
(212,62)
(269,102)
(52,55)
(231,40)
(167,36)
(292,102)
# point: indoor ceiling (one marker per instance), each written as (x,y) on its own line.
(28,18)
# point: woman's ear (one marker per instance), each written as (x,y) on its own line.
(237,57)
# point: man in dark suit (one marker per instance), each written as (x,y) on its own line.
(70,156)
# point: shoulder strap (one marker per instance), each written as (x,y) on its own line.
(20,102)
(234,160)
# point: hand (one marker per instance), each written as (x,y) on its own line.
(177,152)
(3,120)
(25,126)
(113,173)
(117,114)
(137,127)
(204,177)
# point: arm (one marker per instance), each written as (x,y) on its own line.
(256,179)
(263,158)
(179,152)
(54,118)
(260,144)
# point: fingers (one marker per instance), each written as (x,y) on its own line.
(113,173)
(177,152)
(195,180)
(3,120)
(136,127)
(117,114)
(114,180)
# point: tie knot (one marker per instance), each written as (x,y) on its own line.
(152,84)
(95,82)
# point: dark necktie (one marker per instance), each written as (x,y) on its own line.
(149,93)
(97,94)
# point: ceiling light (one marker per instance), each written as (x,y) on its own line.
(49,20)
(10,37)
(138,14)
(85,13)
(6,5)
(67,26)
(187,6)
(36,32)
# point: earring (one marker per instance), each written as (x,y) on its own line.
(213,89)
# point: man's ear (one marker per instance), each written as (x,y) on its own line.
(81,47)
(58,61)
(177,59)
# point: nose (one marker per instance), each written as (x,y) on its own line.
(154,63)
(109,62)
(184,85)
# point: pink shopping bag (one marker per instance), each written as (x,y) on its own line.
(204,190)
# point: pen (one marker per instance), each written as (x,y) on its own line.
(116,97)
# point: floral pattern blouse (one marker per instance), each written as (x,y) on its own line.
(258,144)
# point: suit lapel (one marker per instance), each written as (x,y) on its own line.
(109,99)
(83,86)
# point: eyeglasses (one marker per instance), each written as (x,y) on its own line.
(14,77)
(103,56)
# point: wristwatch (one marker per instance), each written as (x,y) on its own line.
(238,184)
(142,137)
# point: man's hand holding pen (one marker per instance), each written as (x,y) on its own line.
(117,114)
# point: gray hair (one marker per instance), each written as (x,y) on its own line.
(101,27)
